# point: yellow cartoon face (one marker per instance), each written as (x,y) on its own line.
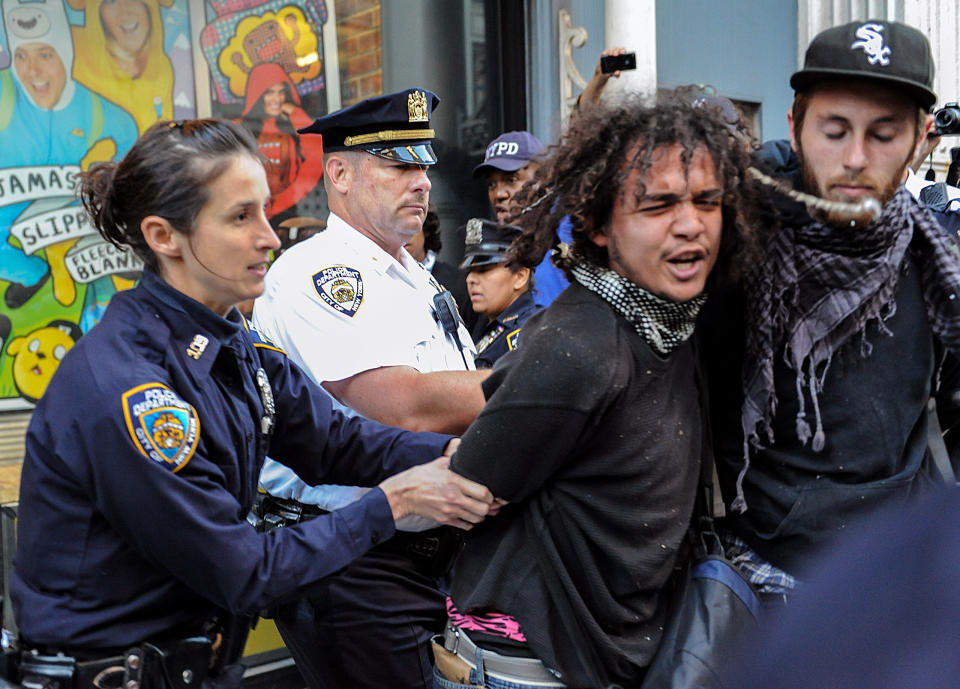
(284,38)
(37,356)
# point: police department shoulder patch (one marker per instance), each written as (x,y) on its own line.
(512,338)
(162,426)
(341,288)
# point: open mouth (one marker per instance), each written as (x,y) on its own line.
(130,28)
(686,263)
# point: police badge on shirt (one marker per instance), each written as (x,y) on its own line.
(163,427)
(340,288)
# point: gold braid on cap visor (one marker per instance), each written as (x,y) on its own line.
(388,135)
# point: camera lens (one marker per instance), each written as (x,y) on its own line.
(945,119)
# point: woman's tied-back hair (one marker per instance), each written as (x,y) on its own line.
(166,173)
(585,173)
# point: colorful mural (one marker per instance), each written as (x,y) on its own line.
(268,56)
(120,53)
(79,81)
(68,102)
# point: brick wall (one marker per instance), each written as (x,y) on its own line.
(358,49)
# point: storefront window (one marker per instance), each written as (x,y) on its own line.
(276,66)
(81,79)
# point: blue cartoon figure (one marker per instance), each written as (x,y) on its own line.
(46,119)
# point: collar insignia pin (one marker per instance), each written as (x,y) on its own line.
(197,347)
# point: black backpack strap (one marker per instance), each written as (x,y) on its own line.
(938,448)
(707,461)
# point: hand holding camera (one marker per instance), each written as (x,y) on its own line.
(946,120)
(615,63)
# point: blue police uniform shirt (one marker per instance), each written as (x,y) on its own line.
(496,337)
(548,280)
(141,465)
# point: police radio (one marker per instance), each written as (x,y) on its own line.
(445,311)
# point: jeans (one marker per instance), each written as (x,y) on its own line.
(478,675)
(440,682)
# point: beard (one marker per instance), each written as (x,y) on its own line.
(882,190)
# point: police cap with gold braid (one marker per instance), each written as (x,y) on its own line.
(395,126)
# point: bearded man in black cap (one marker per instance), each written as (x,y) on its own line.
(354,309)
(823,367)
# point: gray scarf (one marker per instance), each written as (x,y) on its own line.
(664,325)
(849,279)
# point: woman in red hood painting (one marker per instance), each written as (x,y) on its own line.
(272,112)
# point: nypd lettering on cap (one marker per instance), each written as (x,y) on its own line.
(871,42)
(340,288)
(162,426)
(503,148)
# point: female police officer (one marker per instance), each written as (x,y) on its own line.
(500,288)
(142,458)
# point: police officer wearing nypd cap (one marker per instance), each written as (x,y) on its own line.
(499,287)
(510,162)
(367,321)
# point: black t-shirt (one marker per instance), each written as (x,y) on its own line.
(596,442)
(874,417)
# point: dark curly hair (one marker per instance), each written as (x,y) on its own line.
(584,175)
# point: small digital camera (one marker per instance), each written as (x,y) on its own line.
(612,63)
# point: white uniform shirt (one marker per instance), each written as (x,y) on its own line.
(339,305)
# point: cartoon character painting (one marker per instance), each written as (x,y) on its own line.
(84,79)
(37,356)
(283,38)
(120,55)
(268,43)
(249,33)
(272,112)
(51,128)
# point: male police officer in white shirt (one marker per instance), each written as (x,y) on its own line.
(356,311)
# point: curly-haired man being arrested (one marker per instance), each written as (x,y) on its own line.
(567,582)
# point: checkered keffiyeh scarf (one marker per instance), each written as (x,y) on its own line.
(849,278)
(664,325)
